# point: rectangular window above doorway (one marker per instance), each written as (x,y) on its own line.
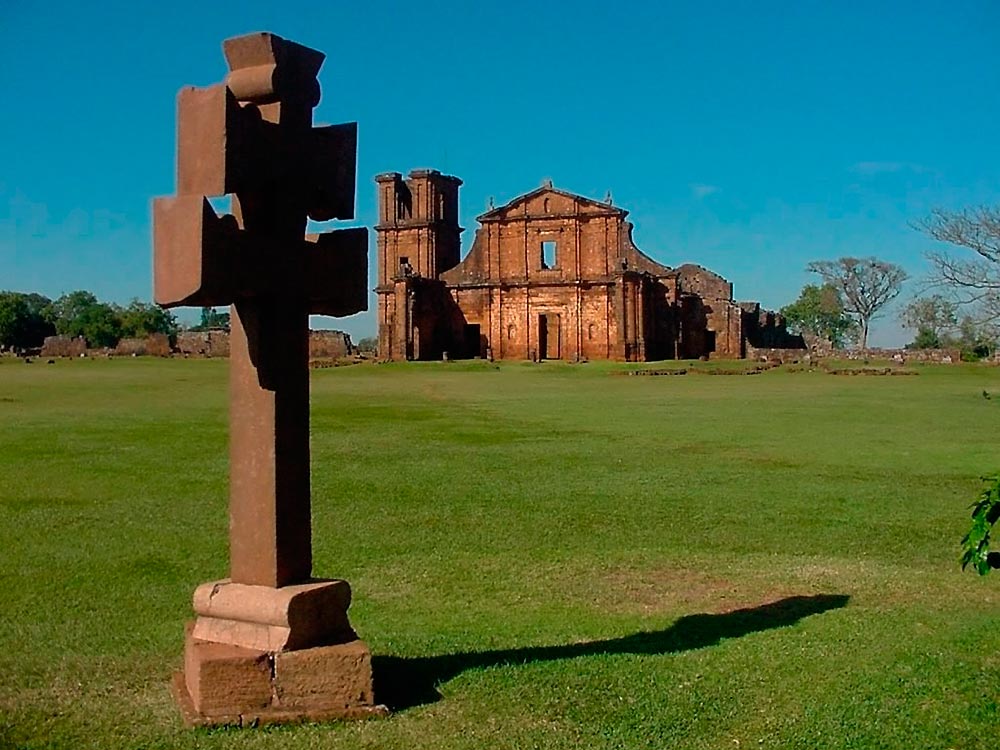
(549,254)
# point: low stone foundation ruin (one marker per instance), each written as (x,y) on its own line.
(63,346)
(203,343)
(329,345)
(937,356)
(154,345)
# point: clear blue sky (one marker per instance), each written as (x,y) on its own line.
(749,137)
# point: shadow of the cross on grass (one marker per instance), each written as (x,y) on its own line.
(405,682)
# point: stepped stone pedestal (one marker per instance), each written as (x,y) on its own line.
(258,654)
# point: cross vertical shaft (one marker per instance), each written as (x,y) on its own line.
(269,508)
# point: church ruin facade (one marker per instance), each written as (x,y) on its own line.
(550,275)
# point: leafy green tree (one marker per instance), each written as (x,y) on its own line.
(933,318)
(368,344)
(139,319)
(211,318)
(22,320)
(976,340)
(935,313)
(80,314)
(64,311)
(100,325)
(819,312)
(13,314)
(925,338)
(865,286)
(985,513)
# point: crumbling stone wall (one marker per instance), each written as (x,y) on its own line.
(154,345)
(765,329)
(329,345)
(203,343)
(773,354)
(63,346)
(939,356)
(322,344)
(130,347)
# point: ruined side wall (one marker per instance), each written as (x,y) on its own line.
(765,329)
(154,345)
(712,324)
(203,343)
(694,279)
(638,260)
(329,345)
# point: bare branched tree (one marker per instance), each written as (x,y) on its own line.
(866,285)
(973,282)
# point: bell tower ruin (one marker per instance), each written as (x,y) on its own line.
(418,239)
(418,224)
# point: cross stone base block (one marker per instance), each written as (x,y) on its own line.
(226,684)
(258,654)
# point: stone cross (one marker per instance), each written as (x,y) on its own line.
(252,138)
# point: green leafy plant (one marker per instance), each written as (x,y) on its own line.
(985,513)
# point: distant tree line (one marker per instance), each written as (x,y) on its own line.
(938,323)
(27,318)
(964,309)
(959,307)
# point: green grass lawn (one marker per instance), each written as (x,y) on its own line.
(551,556)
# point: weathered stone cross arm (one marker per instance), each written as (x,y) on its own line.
(252,138)
(202,259)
